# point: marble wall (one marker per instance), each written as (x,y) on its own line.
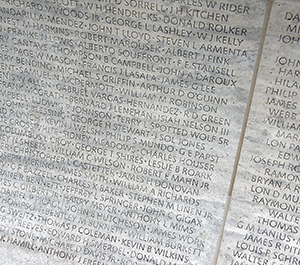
(149,132)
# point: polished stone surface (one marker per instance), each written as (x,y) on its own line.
(263,220)
(120,123)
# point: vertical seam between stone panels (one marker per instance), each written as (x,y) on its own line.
(245,120)
(252,86)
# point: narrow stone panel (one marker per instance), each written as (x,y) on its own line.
(263,221)
(119,125)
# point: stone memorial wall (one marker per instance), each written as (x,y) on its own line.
(121,126)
